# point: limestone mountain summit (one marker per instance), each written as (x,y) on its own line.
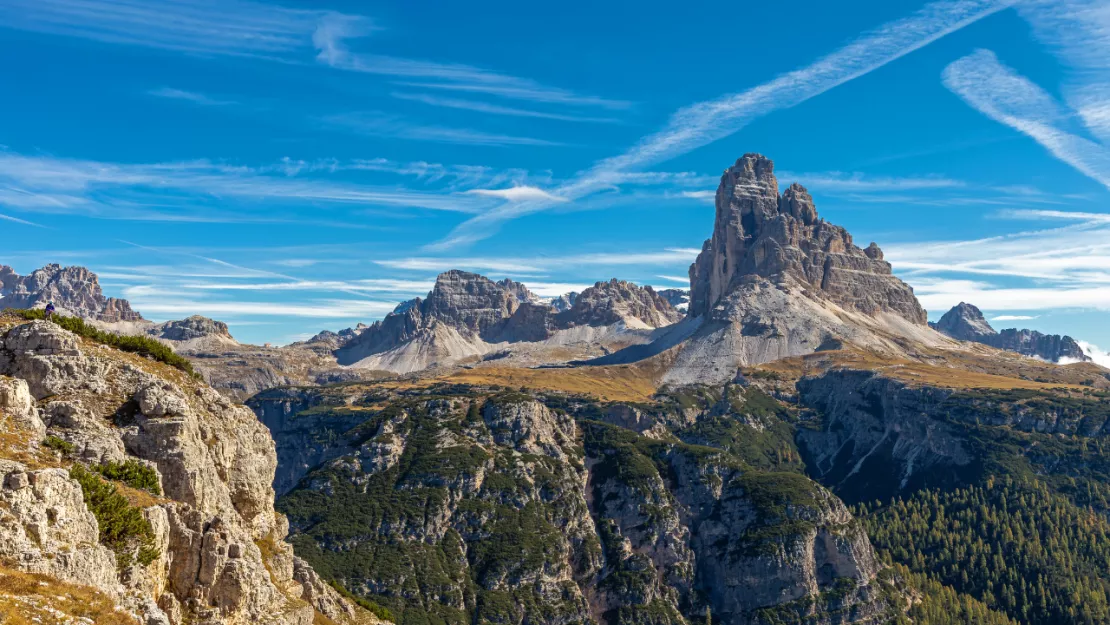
(129,482)
(75,290)
(775,280)
(760,234)
(965,322)
(468,316)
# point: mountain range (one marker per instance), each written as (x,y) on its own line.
(788,441)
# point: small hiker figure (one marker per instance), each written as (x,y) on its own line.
(50,310)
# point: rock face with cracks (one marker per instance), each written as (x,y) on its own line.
(965,322)
(759,233)
(775,280)
(219,554)
(463,505)
(71,289)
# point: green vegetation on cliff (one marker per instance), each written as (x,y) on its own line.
(1016,546)
(123,528)
(142,345)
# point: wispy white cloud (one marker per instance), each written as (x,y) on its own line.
(20,221)
(1079,32)
(704,194)
(379,124)
(225,27)
(170,305)
(835,181)
(524,89)
(335,30)
(47,184)
(454,175)
(555,289)
(1059,215)
(517,194)
(1065,267)
(189,96)
(502,266)
(496,109)
(1100,356)
(369,285)
(1015,317)
(679,279)
(539,264)
(1031,298)
(264,30)
(1002,94)
(705,122)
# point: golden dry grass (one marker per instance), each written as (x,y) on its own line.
(632,383)
(30,599)
(948,369)
(17,444)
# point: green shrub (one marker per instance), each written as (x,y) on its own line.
(375,609)
(133,473)
(123,528)
(142,345)
(63,447)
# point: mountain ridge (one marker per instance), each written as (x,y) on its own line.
(965,322)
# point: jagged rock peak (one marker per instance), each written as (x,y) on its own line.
(617,300)
(679,298)
(519,291)
(564,302)
(74,290)
(469,301)
(759,233)
(193,327)
(216,553)
(964,322)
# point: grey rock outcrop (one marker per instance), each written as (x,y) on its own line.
(550,516)
(518,291)
(1051,347)
(49,530)
(776,281)
(465,314)
(617,301)
(564,301)
(759,233)
(678,298)
(879,437)
(190,328)
(75,290)
(965,322)
(302,440)
(221,550)
(331,341)
(470,303)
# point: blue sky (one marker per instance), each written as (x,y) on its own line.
(293,167)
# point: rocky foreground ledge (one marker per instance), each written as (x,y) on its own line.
(132,493)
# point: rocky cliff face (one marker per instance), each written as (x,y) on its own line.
(72,289)
(880,437)
(190,328)
(203,543)
(965,322)
(521,507)
(776,281)
(564,301)
(466,315)
(618,301)
(678,298)
(758,233)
